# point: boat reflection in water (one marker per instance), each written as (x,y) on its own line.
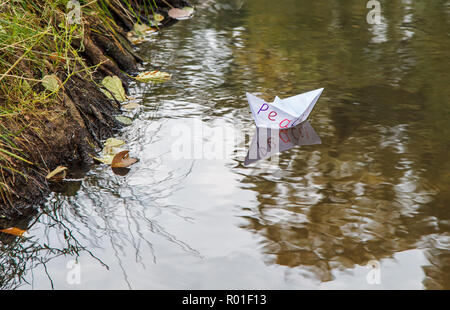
(267,142)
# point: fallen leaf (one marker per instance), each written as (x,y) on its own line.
(158,17)
(114,85)
(50,82)
(111,150)
(113,142)
(131,106)
(124,120)
(137,40)
(57,175)
(153,76)
(188,9)
(13,231)
(106,159)
(140,29)
(122,160)
(183,13)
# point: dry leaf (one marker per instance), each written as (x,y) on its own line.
(57,175)
(114,85)
(158,17)
(183,13)
(106,159)
(122,160)
(153,76)
(131,106)
(137,40)
(50,82)
(13,231)
(113,142)
(124,120)
(142,29)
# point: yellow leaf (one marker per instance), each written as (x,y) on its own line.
(13,231)
(131,106)
(57,175)
(106,159)
(124,120)
(140,29)
(113,142)
(50,82)
(114,85)
(158,17)
(153,76)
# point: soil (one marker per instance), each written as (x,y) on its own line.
(74,128)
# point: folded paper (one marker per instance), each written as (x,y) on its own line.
(283,113)
(268,141)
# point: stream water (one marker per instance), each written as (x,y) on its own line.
(367,208)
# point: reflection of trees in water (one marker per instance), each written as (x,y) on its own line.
(126,215)
(332,208)
(107,212)
(362,195)
(379,182)
(20,255)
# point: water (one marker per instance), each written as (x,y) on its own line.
(366,208)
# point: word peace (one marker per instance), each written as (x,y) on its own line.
(272,116)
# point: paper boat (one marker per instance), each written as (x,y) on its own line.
(267,141)
(283,113)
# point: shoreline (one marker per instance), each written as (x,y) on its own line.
(68,128)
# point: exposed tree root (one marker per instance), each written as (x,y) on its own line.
(71,130)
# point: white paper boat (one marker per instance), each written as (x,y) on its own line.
(267,141)
(283,113)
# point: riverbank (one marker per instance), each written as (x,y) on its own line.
(53,107)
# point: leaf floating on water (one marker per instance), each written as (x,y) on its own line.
(153,76)
(106,159)
(158,17)
(123,160)
(137,40)
(50,82)
(131,106)
(113,142)
(111,146)
(124,120)
(57,175)
(139,31)
(114,85)
(13,231)
(183,13)
(142,29)
(188,9)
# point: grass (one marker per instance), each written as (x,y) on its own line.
(36,39)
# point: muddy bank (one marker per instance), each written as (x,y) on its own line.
(71,128)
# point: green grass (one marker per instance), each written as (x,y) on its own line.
(36,40)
